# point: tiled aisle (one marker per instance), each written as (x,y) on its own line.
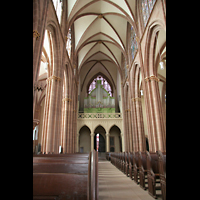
(114,185)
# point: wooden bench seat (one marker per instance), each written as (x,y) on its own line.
(162,172)
(65,176)
(60,184)
(135,166)
(142,168)
(153,175)
(80,168)
(130,168)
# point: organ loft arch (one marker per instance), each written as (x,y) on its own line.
(100,139)
(84,140)
(115,139)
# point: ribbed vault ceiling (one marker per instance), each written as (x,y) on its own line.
(100,30)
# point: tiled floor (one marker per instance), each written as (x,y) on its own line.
(114,185)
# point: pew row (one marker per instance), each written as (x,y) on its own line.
(162,172)
(146,168)
(65,176)
(153,175)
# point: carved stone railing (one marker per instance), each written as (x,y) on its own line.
(99,115)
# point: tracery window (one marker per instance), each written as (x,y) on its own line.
(104,82)
(68,44)
(133,43)
(147,6)
(58,7)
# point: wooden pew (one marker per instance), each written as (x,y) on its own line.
(142,168)
(108,156)
(123,162)
(127,163)
(65,176)
(135,166)
(153,175)
(130,165)
(162,172)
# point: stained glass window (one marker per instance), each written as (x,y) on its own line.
(104,82)
(147,6)
(68,44)
(133,43)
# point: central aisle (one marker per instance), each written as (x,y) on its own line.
(113,184)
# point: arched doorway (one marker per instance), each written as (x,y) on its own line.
(84,140)
(115,139)
(99,139)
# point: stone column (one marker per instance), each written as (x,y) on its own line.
(77,142)
(141,142)
(150,116)
(107,142)
(92,141)
(49,136)
(122,137)
(158,112)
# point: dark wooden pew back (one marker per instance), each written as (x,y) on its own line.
(142,168)
(136,166)
(65,176)
(162,172)
(152,173)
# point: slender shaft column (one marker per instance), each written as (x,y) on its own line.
(52,114)
(140,125)
(130,130)
(45,117)
(77,142)
(159,119)
(107,142)
(122,137)
(92,141)
(153,145)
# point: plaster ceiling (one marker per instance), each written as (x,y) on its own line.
(100,28)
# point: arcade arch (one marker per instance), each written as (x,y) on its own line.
(115,139)
(84,140)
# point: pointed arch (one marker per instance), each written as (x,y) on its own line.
(85,125)
(114,126)
(149,61)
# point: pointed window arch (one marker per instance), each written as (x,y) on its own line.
(147,6)
(133,43)
(104,82)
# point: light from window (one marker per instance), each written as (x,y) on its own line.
(58,7)
(133,43)
(104,82)
(97,141)
(68,45)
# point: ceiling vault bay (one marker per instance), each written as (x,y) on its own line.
(100,31)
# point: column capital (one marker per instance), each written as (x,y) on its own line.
(92,134)
(154,78)
(107,134)
(146,79)
(136,99)
(68,100)
(36,34)
(53,78)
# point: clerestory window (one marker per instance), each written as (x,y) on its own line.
(147,6)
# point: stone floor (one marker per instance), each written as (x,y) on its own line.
(114,184)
